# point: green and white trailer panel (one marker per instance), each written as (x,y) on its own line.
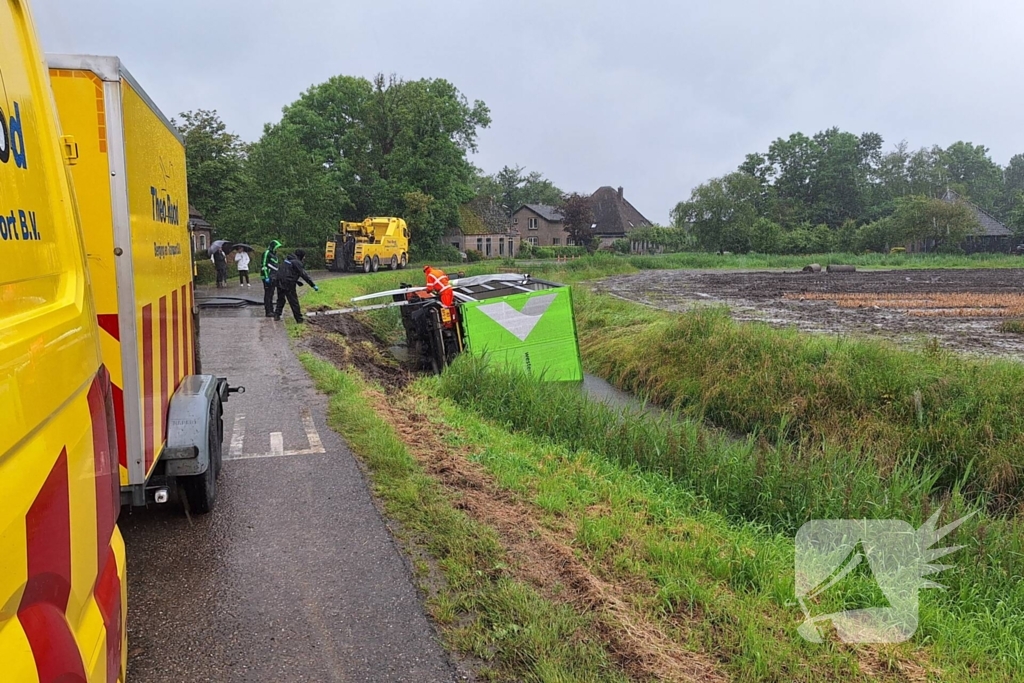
(532,330)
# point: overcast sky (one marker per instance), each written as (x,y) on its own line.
(656,97)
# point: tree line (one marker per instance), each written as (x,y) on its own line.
(841,191)
(346,149)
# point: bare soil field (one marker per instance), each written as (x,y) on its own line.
(960,309)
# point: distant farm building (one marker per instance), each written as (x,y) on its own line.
(201,230)
(484,227)
(614,218)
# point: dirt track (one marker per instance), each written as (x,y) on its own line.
(776,298)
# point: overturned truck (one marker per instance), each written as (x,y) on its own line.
(515,320)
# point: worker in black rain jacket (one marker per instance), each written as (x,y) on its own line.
(268,273)
(288,278)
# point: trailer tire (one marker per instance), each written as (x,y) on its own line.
(404,261)
(367,264)
(376,264)
(394,262)
(201,489)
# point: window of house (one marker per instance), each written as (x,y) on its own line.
(457,246)
(515,220)
(570,242)
(532,240)
(480,244)
(488,248)
(202,243)
(556,241)
(532,223)
(501,246)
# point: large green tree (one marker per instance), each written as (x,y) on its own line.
(941,225)
(720,214)
(350,148)
(214,160)
(511,187)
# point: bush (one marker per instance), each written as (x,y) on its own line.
(206,273)
(472,255)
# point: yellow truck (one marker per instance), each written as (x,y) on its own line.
(102,401)
(62,558)
(129,177)
(365,246)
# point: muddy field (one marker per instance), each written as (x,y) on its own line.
(961,309)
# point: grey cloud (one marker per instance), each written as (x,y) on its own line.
(656,97)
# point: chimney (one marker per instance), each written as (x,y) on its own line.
(620,193)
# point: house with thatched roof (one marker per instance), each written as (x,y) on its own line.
(483,227)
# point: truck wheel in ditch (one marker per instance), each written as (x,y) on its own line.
(201,489)
(394,262)
(376,264)
(404,262)
(366,264)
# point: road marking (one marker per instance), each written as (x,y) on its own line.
(277,450)
(237,436)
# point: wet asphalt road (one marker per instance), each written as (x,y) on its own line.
(294,576)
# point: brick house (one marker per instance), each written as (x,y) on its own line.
(483,226)
(540,225)
(614,218)
(202,232)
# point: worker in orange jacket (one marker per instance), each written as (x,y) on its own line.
(437,283)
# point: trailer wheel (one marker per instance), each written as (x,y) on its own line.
(366,264)
(201,490)
(376,264)
(394,262)
(404,262)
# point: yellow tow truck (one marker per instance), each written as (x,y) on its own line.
(366,246)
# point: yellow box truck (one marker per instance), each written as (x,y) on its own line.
(62,559)
(102,403)
(129,176)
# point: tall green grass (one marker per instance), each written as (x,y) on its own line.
(780,486)
(957,419)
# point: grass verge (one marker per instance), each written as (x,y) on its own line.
(956,418)
(482,610)
(972,632)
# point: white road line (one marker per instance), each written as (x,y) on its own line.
(316,446)
(237,436)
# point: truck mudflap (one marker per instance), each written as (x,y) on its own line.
(188,449)
(191,456)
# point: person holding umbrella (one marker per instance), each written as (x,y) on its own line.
(220,262)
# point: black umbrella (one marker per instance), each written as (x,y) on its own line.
(247,247)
